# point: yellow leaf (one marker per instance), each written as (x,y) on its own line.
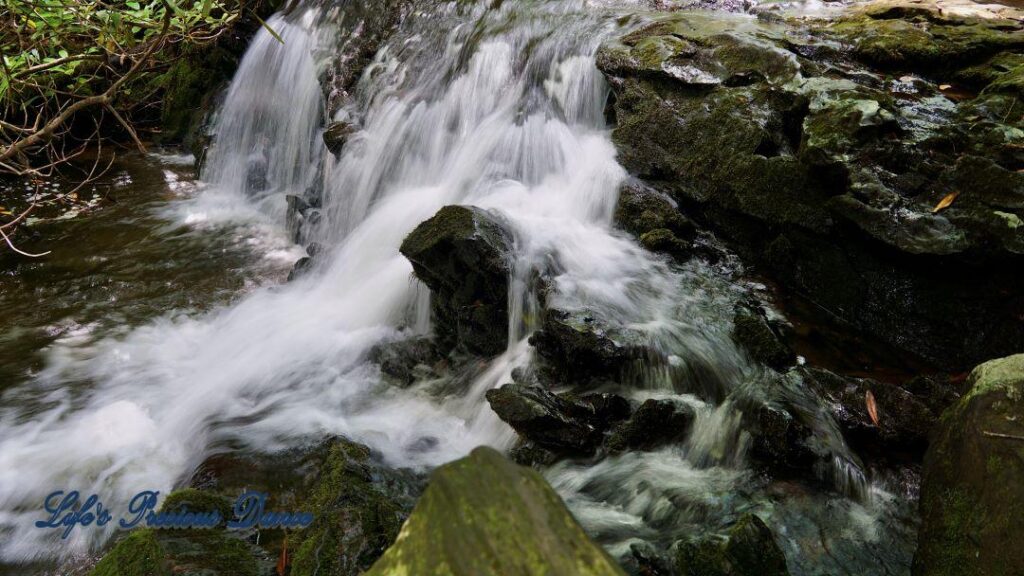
(944,86)
(946,201)
(869,401)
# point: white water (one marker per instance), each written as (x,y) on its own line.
(499,108)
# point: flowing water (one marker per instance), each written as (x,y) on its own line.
(495,105)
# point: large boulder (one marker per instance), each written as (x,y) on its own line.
(483,516)
(972,497)
(462,254)
(827,175)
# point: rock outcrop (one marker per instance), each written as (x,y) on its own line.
(462,255)
(485,516)
(972,496)
(548,420)
(794,143)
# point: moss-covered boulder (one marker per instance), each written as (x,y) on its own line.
(485,516)
(972,497)
(354,520)
(462,254)
(791,141)
(186,552)
(748,549)
(139,554)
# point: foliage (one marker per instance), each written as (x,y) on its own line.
(63,56)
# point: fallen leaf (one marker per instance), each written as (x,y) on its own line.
(946,201)
(945,86)
(869,401)
(282,560)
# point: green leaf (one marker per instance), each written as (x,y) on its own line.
(134,5)
(269,29)
(206,7)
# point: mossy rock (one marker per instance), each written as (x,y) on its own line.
(462,254)
(925,39)
(139,554)
(972,497)
(485,516)
(354,522)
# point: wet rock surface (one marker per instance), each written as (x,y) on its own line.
(748,549)
(654,423)
(971,495)
(820,150)
(462,255)
(546,419)
(578,347)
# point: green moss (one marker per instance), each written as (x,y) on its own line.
(353,521)
(198,501)
(1003,374)
(484,516)
(139,554)
(915,42)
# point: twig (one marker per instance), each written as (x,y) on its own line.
(1004,436)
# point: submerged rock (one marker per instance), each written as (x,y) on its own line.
(462,255)
(827,178)
(749,549)
(482,516)
(971,489)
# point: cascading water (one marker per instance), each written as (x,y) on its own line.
(498,106)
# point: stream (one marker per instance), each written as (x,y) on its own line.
(168,335)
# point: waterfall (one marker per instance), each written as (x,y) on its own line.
(498,106)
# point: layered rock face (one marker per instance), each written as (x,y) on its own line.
(828,154)
(483,515)
(972,497)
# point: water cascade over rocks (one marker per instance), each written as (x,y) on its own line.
(498,106)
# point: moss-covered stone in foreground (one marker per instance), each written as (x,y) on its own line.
(972,497)
(483,515)
(137,555)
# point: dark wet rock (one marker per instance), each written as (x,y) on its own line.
(645,560)
(304,264)
(749,549)
(485,516)
(605,407)
(406,361)
(971,493)
(462,255)
(336,135)
(904,421)
(814,170)
(547,419)
(654,423)
(780,441)
(579,347)
(527,453)
(760,339)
